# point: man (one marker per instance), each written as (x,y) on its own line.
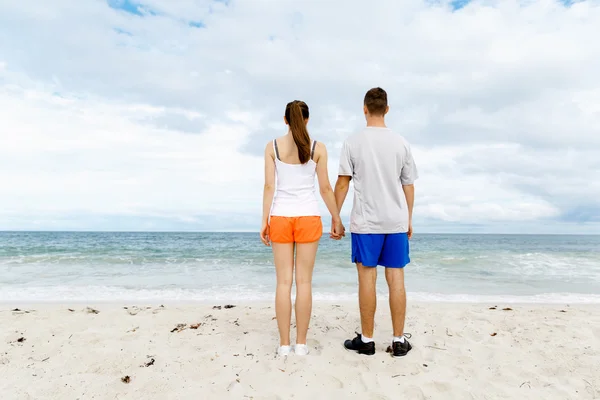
(381,165)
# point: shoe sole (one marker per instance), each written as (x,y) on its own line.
(402,355)
(358,352)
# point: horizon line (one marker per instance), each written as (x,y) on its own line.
(256,232)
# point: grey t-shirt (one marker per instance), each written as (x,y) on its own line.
(379,162)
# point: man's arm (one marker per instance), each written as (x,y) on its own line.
(409,193)
(341,190)
(345,173)
(407,178)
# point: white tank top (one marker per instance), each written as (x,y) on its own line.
(296,194)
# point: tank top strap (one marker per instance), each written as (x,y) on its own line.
(276,149)
(312,152)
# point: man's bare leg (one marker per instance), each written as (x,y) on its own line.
(395,281)
(367,298)
(367,301)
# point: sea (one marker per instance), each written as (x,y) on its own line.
(38,267)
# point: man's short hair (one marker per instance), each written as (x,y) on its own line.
(376,101)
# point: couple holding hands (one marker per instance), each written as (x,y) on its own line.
(381,166)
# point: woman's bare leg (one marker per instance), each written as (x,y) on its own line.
(305,262)
(283,254)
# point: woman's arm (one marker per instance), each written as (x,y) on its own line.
(324,184)
(269,188)
(268,193)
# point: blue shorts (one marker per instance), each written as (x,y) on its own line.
(373,249)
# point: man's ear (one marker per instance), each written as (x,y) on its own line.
(365,110)
(387,109)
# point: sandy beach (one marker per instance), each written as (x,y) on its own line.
(461,351)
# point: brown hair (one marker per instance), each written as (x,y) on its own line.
(376,101)
(296,114)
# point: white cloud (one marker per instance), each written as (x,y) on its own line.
(105,113)
(66,155)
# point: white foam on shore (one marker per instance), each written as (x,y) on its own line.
(101,294)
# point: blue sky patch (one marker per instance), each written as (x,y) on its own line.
(123,32)
(197,24)
(458,4)
(131,7)
(582,214)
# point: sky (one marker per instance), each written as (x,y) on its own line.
(154,115)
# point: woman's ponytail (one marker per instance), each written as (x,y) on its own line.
(296,114)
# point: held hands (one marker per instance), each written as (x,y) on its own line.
(337,229)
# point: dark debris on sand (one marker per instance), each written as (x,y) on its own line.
(126,379)
(18,310)
(182,327)
(227,306)
(149,363)
(91,310)
(179,328)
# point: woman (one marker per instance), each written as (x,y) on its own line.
(291,219)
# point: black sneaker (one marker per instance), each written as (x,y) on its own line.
(399,349)
(359,346)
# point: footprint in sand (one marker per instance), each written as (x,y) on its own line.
(596,332)
(447,388)
(333,381)
(158,309)
(413,392)
(132,310)
(315,347)
(376,396)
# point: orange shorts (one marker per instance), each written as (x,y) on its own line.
(295,229)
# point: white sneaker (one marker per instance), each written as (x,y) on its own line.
(283,351)
(301,349)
